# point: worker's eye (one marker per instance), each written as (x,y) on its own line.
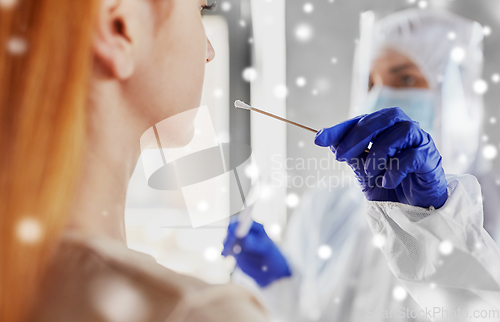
(207,7)
(408,80)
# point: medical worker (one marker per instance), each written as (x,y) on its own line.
(437,255)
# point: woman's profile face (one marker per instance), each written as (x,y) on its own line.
(171,52)
(393,69)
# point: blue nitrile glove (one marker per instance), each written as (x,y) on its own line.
(256,254)
(403,164)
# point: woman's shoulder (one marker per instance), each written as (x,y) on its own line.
(98,279)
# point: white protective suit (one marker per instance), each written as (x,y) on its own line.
(443,258)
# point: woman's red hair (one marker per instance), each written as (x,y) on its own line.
(43,94)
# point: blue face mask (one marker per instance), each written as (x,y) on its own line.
(418,104)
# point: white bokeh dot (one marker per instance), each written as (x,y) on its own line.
(117,300)
(458,54)
(236,249)
(252,171)
(446,247)
(324,251)
(314,92)
(490,152)
(17,46)
(308,8)
(7,4)
(280,91)
(487,31)
(265,191)
(303,32)
(211,254)
(378,240)
(249,74)
(493,120)
(226,6)
(274,230)
(300,81)
(484,137)
(423,4)
(480,86)
(495,78)
(292,200)
(243,23)
(399,293)
(203,206)
(301,144)
(218,93)
(462,158)
(334,60)
(29,230)
(452,35)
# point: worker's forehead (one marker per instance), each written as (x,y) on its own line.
(391,60)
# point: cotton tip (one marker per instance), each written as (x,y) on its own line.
(243,105)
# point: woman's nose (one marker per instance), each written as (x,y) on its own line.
(210,51)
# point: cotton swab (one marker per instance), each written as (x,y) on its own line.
(245,222)
(243,105)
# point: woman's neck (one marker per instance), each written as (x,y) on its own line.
(111,155)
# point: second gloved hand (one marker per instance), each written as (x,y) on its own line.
(256,254)
(403,164)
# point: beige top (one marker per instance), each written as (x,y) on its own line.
(99,279)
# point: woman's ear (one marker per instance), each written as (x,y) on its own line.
(112,44)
